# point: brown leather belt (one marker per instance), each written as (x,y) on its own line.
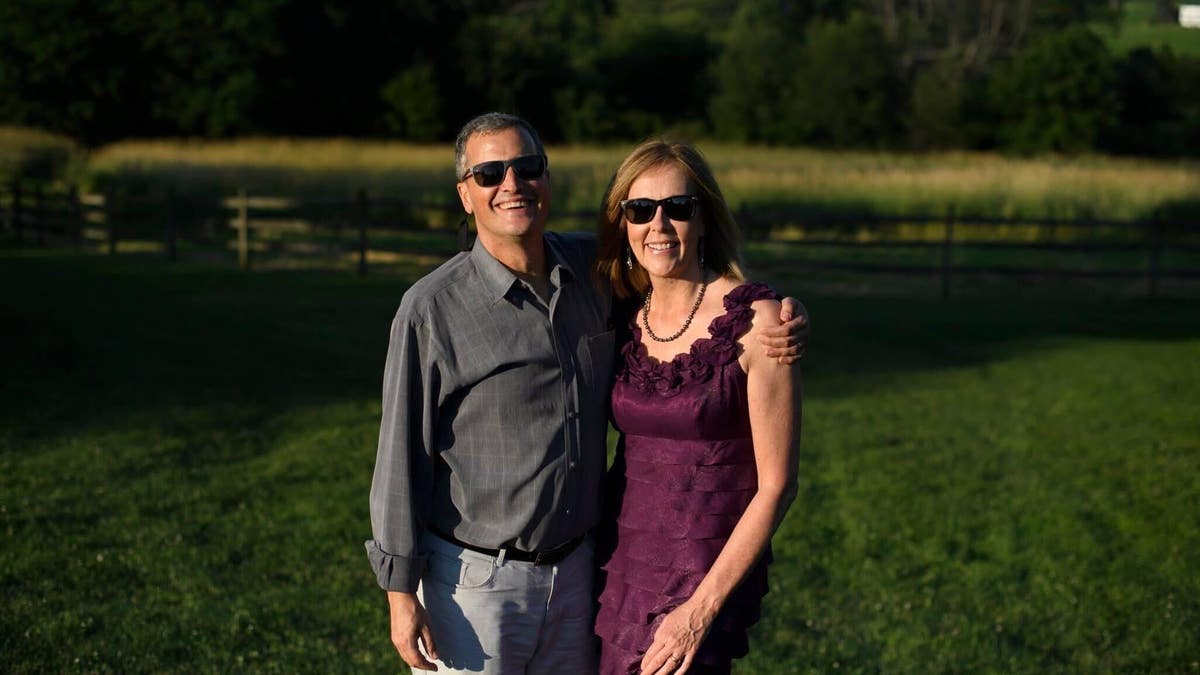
(547,557)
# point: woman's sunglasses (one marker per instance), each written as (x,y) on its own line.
(639,211)
(490,174)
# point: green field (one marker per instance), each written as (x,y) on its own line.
(807,180)
(1006,482)
(853,182)
(1138,29)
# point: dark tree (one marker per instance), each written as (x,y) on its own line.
(1058,94)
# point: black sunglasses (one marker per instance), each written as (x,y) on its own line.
(489,174)
(679,207)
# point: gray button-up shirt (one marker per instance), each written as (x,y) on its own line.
(494,410)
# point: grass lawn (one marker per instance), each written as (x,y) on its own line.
(1006,482)
(1138,29)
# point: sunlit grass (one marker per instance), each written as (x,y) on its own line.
(1138,29)
(846,182)
(276,166)
(970,183)
(819,181)
(35,153)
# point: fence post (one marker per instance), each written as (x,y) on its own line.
(170,233)
(1154,238)
(362,212)
(110,217)
(75,216)
(948,253)
(243,227)
(14,215)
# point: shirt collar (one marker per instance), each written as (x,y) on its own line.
(556,261)
(499,279)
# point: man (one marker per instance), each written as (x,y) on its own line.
(492,443)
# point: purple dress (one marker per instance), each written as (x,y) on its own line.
(684,475)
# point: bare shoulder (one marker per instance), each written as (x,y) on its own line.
(766,315)
(766,312)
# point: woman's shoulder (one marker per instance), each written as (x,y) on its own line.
(763,306)
(744,302)
(754,296)
(747,292)
(764,302)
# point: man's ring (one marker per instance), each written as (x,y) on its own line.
(674,658)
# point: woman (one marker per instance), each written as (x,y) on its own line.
(706,466)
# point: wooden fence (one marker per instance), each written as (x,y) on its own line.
(1145,245)
(243,227)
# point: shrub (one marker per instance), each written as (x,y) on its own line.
(413,106)
(1057,95)
(753,73)
(845,92)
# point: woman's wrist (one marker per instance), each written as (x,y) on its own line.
(704,609)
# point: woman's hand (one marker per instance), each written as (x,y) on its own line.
(677,639)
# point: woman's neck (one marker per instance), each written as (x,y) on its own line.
(677,295)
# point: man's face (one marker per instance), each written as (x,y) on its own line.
(516,209)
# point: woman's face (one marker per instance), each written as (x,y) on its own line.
(665,247)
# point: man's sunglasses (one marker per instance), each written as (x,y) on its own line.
(639,211)
(490,174)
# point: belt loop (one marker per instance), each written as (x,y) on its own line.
(500,558)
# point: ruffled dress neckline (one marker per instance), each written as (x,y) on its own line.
(697,365)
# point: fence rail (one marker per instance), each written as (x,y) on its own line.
(363,228)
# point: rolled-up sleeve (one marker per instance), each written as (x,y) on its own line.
(401,489)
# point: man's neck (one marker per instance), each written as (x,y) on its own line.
(524,257)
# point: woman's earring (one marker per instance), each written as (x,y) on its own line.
(628,259)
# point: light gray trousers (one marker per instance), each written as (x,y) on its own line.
(509,617)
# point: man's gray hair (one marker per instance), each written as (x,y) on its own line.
(489,123)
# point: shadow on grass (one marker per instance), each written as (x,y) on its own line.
(187,451)
(89,338)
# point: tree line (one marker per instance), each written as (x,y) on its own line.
(1019,75)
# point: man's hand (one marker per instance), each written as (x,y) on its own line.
(410,623)
(789,340)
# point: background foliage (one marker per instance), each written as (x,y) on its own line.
(1010,74)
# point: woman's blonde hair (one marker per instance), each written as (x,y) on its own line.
(722,253)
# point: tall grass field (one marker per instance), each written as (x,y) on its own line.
(1006,483)
(859,183)
(856,182)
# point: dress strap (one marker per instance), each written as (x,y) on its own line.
(738,313)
